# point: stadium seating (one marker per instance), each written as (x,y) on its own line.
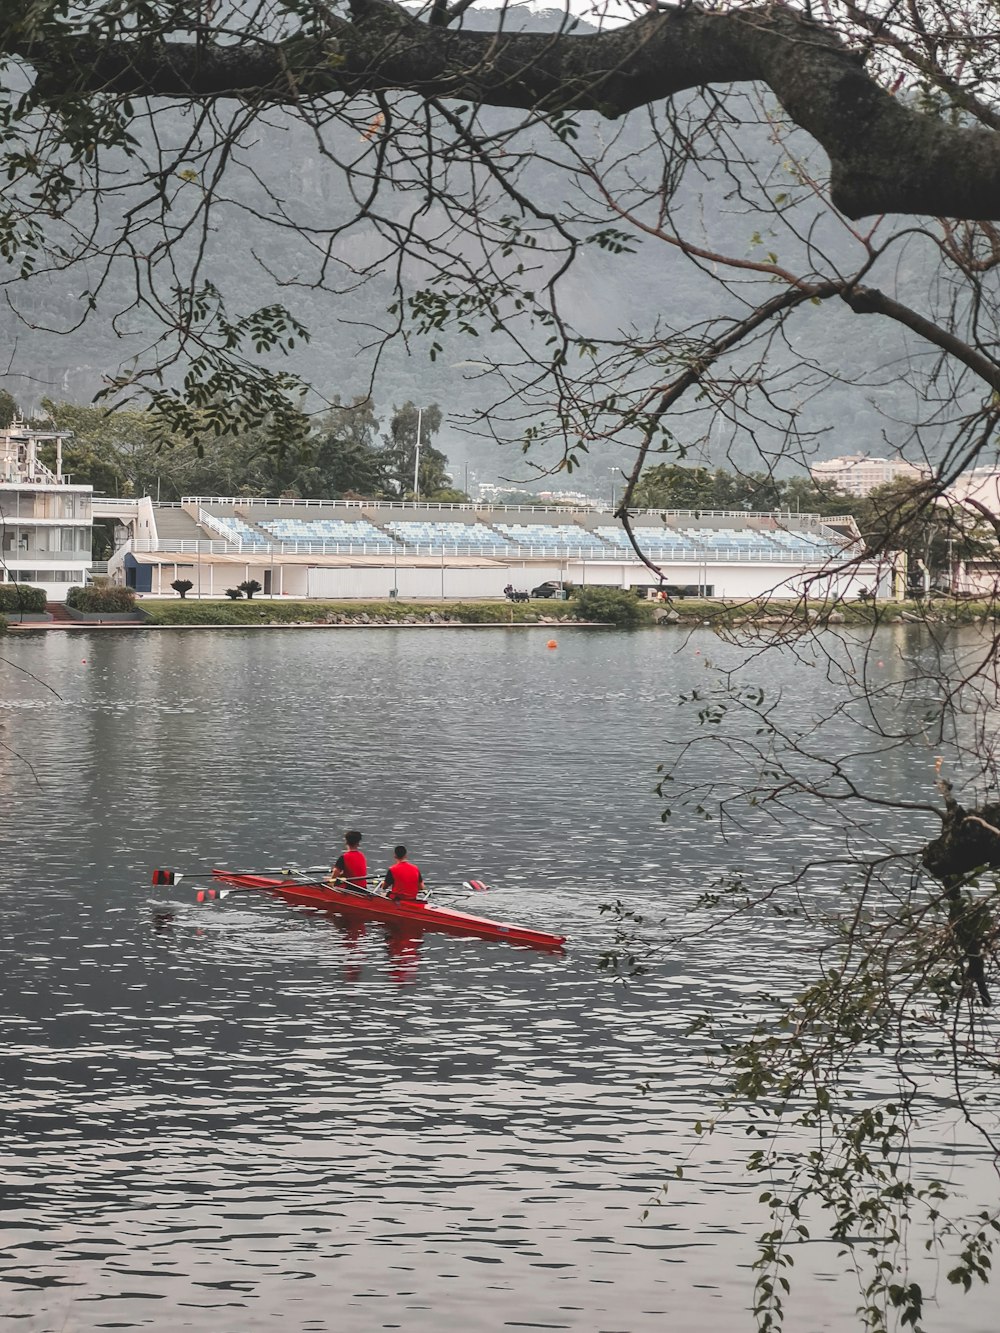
(436,536)
(334,532)
(561,538)
(235,530)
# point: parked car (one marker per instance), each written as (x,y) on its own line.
(551,589)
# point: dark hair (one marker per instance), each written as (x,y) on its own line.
(399,852)
(352,837)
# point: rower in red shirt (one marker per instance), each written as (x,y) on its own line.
(403,879)
(350,867)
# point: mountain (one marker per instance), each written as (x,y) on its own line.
(255,258)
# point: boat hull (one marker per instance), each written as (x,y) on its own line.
(374,907)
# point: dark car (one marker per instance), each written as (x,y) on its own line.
(551,589)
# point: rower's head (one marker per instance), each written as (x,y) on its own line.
(352,838)
(399,852)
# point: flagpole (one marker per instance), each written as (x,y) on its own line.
(416,464)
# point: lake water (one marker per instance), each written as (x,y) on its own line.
(224,1115)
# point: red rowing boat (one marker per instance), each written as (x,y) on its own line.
(363,902)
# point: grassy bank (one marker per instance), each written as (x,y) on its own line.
(689,612)
(263,611)
(765,611)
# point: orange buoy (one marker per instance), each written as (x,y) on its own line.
(552,644)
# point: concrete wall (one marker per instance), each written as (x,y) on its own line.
(368,582)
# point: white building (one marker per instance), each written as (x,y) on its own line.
(45,521)
(981,484)
(980,576)
(376,549)
(858,474)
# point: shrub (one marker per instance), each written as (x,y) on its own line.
(21,597)
(183,586)
(234,593)
(613,605)
(110,599)
(250,586)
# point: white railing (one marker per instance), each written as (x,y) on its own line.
(247,503)
(194,546)
(119,502)
(783,518)
(266,551)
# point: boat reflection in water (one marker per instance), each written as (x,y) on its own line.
(402,942)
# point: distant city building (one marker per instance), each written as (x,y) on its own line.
(858,474)
(45,521)
(574,499)
(982,484)
(488,492)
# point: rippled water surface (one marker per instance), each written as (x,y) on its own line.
(224,1115)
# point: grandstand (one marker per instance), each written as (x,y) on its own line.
(361,548)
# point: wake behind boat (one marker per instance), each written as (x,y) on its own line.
(374,906)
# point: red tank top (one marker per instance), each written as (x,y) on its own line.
(355,868)
(405,880)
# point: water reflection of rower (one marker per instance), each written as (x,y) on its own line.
(402,949)
(352,933)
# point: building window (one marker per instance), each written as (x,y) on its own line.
(45,575)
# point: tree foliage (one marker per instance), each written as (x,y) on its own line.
(339,453)
(613,606)
(403,476)
(482,175)
(674,486)
(934,536)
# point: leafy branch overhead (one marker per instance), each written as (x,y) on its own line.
(886,154)
(608,229)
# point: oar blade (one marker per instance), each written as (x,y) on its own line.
(475,885)
(167,876)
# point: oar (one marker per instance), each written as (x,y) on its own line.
(298,879)
(174,876)
(297,882)
(473,885)
(161,876)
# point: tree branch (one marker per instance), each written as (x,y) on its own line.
(870,301)
(884,156)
